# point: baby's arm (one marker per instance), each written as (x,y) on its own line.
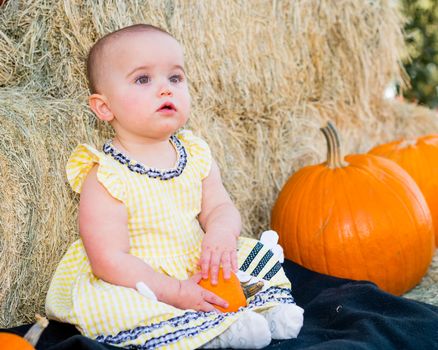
(103,225)
(221,222)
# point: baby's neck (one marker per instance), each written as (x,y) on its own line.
(152,153)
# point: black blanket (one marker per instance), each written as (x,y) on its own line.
(339,314)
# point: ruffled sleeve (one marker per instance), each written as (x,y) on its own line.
(82,160)
(199,151)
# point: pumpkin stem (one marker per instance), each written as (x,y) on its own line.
(250,290)
(334,157)
(34,332)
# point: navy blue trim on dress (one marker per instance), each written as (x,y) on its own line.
(278,294)
(262,263)
(154,173)
(272,294)
(272,272)
(251,256)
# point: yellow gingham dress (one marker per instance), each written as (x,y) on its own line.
(165,233)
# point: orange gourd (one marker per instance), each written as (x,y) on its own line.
(419,158)
(360,217)
(229,290)
(10,341)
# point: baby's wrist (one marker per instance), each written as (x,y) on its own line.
(223,233)
(173,291)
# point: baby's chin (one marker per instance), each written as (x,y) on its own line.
(169,130)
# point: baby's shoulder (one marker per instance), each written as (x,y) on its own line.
(193,143)
(83,159)
(198,150)
(84,153)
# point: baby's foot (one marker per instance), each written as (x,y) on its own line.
(285,320)
(250,331)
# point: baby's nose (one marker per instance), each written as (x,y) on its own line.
(166,92)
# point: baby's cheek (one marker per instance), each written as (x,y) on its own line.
(132,101)
(185,104)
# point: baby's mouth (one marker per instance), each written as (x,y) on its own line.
(167,106)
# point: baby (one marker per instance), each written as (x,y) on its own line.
(155,218)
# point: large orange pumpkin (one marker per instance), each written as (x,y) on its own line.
(9,341)
(229,290)
(360,217)
(420,159)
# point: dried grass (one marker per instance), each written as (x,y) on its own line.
(7,60)
(37,209)
(264,76)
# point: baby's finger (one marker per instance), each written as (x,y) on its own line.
(214,299)
(214,266)
(205,262)
(226,264)
(234,260)
(207,307)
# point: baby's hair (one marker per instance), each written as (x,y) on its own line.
(96,50)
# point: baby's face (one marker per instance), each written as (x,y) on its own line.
(142,76)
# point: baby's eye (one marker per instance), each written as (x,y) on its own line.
(144,79)
(177,78)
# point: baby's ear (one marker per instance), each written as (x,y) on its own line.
(99,105)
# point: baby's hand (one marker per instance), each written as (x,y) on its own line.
(192,296)
(218,250)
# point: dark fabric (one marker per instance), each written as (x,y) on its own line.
(339,314)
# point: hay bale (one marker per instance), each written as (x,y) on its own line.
(7,60)
(410,120)
(37,220)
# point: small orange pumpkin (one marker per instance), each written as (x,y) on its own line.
(229,290)
(10,341)
(360,217)
(419,158)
